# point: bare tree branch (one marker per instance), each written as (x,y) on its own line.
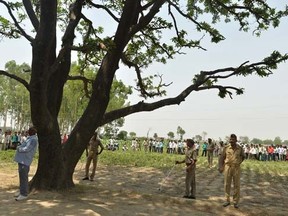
(200,84)
(147,107)
(149,4)
(144,20)
(140,83)
(159,45)
(33,18)
(12,76)
(21,30)
(68,37)
(85,81)
(105,8)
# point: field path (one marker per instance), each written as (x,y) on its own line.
(125,191)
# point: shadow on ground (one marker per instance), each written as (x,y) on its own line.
(135,191)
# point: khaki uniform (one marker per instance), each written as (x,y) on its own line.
(232,160)
(190,182)
(220,164)
(210,150)
(93,156)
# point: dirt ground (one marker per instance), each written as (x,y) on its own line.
(124,191)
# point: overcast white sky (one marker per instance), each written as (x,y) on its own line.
(262,112)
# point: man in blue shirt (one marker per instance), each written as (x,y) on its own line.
(24,156)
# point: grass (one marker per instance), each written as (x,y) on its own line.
(138,159)
(161,161)
(262,184)
(7,162)
(157,160)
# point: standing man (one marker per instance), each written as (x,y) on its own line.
(232,157)
(7,140)
(24,156)
(94,145)
(197,147)
(190,160)
(220,151)
(210,150)
(204,149)
(14,140)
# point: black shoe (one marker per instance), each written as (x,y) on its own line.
(236,205)
(191,197)
(185,196)
(226,204)
(86,178)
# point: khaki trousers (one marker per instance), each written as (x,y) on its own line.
(210,158)
(232,174)
(190,183)
(91,157)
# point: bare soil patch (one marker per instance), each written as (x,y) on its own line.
(135,191)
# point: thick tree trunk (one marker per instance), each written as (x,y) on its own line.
(56,165)
(56,162)
(51,171)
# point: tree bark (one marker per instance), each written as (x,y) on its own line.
(50,72)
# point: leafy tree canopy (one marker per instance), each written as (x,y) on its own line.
(14,97)
(171,135)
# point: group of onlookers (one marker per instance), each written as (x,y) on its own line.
(266,153)
(10,140)
(171,147)
(159,146)
(255,151)
(259,152)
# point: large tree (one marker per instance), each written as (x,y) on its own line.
(145,31)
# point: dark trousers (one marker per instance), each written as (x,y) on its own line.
(23,179)
(204,152)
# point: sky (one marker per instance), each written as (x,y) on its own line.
(261,112)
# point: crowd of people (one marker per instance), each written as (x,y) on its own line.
(230,155)
(254,152)
(209,148)
(10,140)
(158,146)
(266,153)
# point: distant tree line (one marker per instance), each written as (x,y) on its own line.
(15,102)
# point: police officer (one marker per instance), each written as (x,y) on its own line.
(190,160)
(94,145)
(210,150)
(231,158)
